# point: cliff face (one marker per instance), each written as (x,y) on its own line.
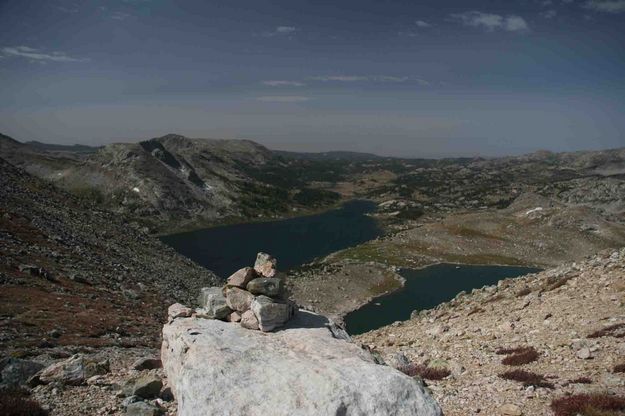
(523,343)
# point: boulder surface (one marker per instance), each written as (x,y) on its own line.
(219,368)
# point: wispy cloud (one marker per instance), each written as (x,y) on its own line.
(369,78)
(286,29)
(606,6)
(491,22)
(340,78)
(283,83)
(549,14)
(422,23)
(38,55)
(283,98)
(120,15)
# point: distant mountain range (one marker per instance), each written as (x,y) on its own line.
(173,182)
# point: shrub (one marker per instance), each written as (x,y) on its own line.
(14,402)
(619,368)
(425,372)
(315,197)
(616,330)
(581,380)
(527,378)
(519,355)
(588,405)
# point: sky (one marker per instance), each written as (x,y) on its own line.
(393,77)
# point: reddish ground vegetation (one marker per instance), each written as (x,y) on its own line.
(527,378)
(554,284)
(16,403)
(619,368)
(581,380)
(425,372)
(588,405)
(616,330)
(519,355)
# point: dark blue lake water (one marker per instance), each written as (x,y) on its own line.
(425,289)
(293,241)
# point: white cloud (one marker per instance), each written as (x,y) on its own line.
(606,6)
(389,78)
(283,83)
(491,22)
(283,98)
(38,55)
(362,78)
(286,29)
(549,14)
(341,78)
(422,23)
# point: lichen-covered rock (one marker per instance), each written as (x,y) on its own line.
(265,265)
(271,313)
(15,372)
(241,277)
(213,303)
(296,371)
(147,386)
(238,299)
(143,409)
(268,286)
(74,371)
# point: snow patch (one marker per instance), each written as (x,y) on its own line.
(532,211)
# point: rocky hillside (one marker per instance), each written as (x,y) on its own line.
(514,348)
(173,182)
(74,274)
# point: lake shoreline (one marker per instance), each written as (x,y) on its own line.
(372,300)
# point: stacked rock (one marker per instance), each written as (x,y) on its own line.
(254,297)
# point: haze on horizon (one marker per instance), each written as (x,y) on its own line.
(396,77)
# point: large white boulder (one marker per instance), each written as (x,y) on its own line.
(220,368)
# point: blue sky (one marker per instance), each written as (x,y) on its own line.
(405,78)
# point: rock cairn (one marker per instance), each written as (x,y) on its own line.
(254,297)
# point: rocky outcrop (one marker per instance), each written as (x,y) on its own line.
(73,371)
(217,368)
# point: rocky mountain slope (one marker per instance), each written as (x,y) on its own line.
(513,348)
(173,182)
(75,274)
